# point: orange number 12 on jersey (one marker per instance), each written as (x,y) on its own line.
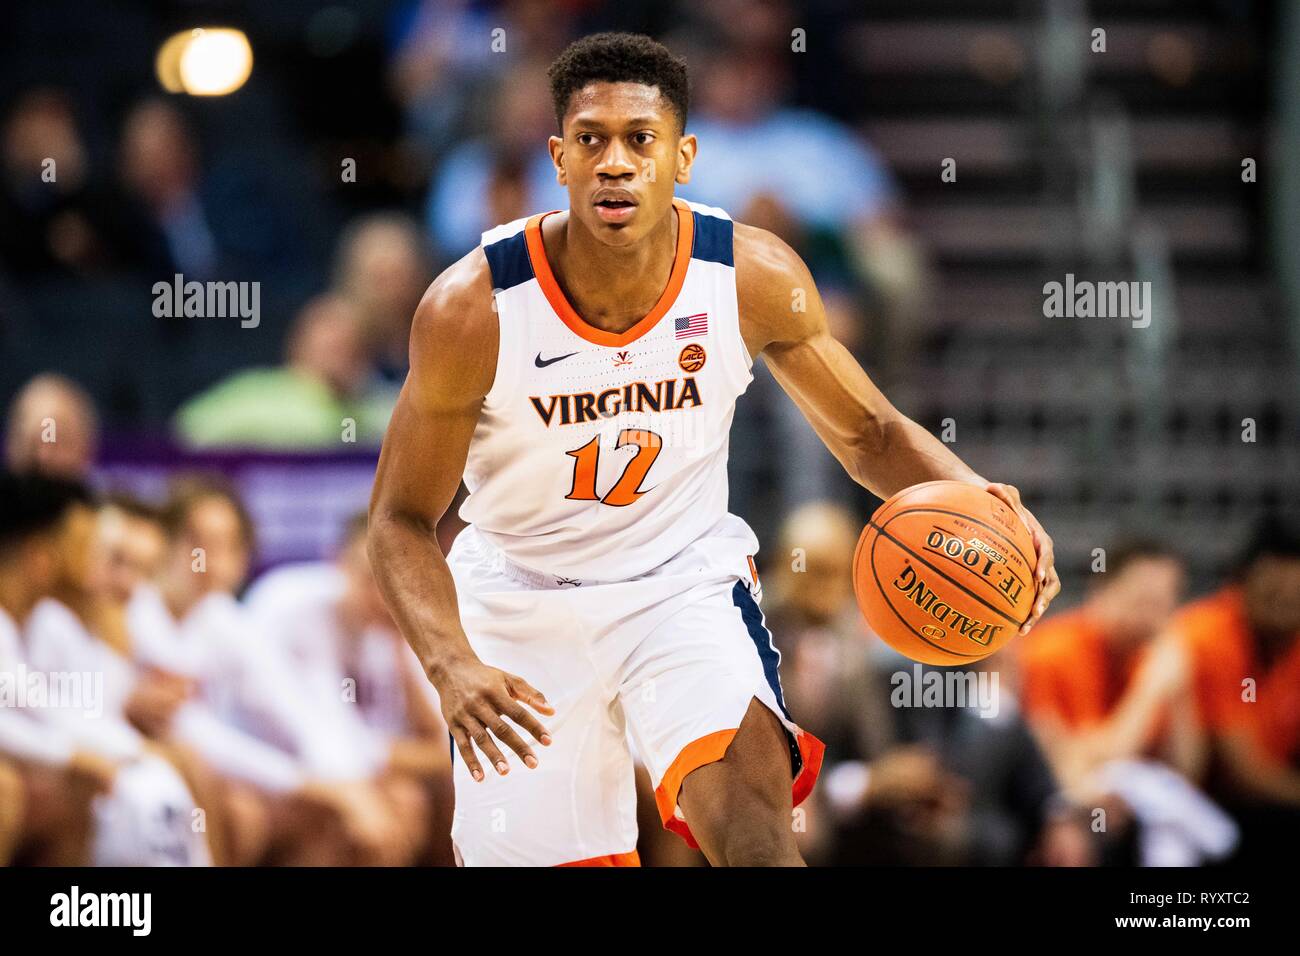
(628,487)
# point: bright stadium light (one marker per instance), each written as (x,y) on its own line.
(205,61)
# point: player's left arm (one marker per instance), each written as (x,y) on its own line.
(782,318)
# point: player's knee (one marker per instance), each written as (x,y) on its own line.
(768,844)
(755,834)
(742,823)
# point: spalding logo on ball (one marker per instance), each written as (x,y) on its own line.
(944,572)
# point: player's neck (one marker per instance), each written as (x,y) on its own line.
(611,287)
(16,597)
(178,599)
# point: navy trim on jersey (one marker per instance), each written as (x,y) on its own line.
(712,241)
(509,262)
(762,638)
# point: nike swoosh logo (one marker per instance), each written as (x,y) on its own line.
(542,363)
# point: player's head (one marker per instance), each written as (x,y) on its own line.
(209,537)
(134,541)
(327,342)
(1138,591)
(818,582)
(45,527)
(621,101)
(1269,574)
(52,428)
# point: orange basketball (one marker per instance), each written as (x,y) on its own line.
(944,572)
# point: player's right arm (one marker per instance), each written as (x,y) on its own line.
(454,342)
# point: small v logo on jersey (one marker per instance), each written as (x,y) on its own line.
(542,363)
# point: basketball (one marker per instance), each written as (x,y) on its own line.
(944,572)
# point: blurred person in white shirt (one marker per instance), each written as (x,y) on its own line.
(79,727)
(252,717)
(334,628)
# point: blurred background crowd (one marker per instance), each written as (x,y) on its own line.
(1153,718)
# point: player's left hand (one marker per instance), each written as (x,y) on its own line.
(1045,577)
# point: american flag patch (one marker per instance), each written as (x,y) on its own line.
(691,325)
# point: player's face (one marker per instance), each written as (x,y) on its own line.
(134,550)
(83,566)
(621,154)
(1272,591)
(1140,600)
(41,559)
(214,526)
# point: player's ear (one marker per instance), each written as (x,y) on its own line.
(685,157)
(556,146)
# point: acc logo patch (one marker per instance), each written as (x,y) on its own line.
(691,358)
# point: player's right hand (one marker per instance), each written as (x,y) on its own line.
(476,699)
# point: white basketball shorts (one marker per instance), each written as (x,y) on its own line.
(670,659)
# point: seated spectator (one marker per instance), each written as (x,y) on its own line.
(442,74)
(159,168)
(383,267)
(52,428)
(1096,682)
(54,219)
(501,176)
(134,543)
(325,396)
(1243,643)
(218,219)
(147,818)
(48,784)
(252,716)
(764,162)
(336,631)
(1107,690)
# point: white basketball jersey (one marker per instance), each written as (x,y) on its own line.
(598,456)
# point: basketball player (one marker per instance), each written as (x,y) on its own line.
(143,816)
(580,369)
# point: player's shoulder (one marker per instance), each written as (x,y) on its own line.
(763,257)
(771,282)
(454,334)
(459,301)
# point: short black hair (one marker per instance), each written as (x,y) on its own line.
(188,490)
(129,504)
(33,504)
(1274,535)
(619,58)
(1134,548)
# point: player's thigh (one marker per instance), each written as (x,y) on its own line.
(578,804)
(688,688)
(748,789)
